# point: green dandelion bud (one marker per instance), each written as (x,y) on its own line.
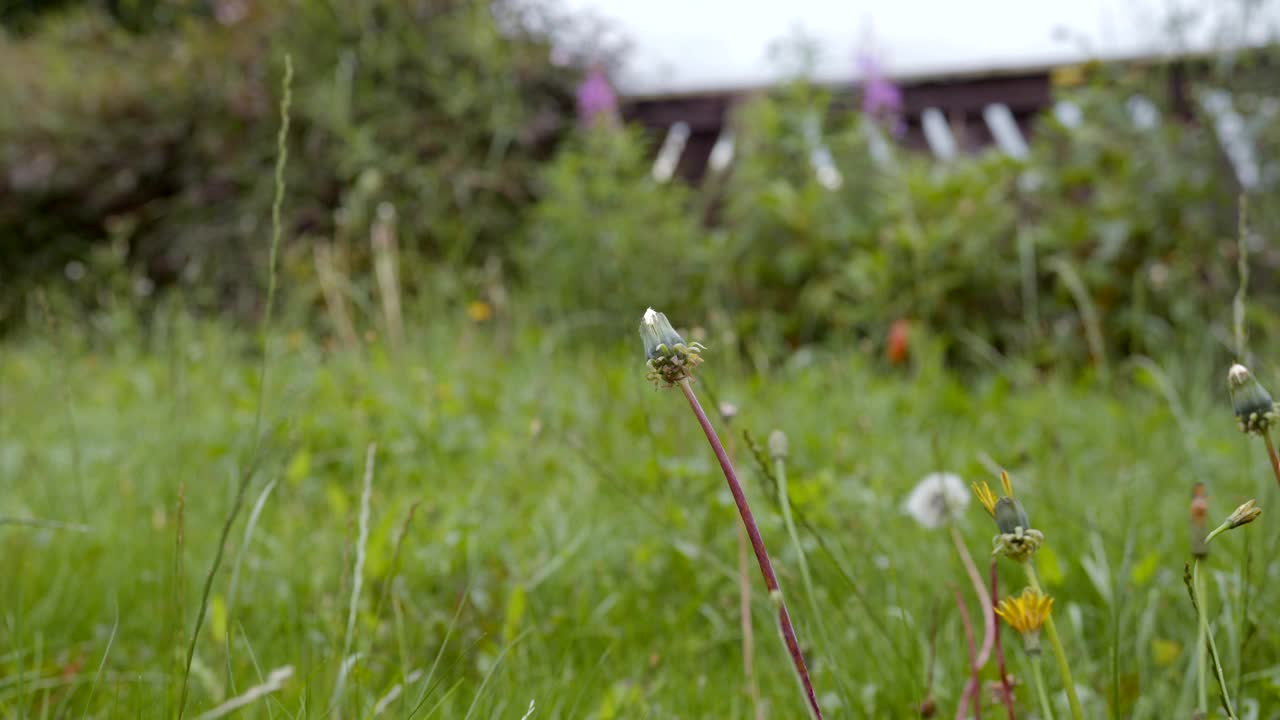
(1010,516)
(669,358)
(1243,515)
(778,445)
(658,335)
(1251,402)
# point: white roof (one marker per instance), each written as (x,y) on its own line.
(679,46)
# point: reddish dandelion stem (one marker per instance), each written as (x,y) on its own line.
(1271,453)
(969,697)
(1007,694)
(757,544)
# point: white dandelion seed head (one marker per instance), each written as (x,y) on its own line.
(937,498)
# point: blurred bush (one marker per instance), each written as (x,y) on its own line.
(165,141)
(607,238)
(1110,239)
(786,235)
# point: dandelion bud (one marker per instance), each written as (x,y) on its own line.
(1243,515)
(1251,402)
(1010,516)
(778,446)
(669,358)
(658,335)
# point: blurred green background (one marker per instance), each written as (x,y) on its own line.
(464,261)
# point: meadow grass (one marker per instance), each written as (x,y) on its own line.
(545,525)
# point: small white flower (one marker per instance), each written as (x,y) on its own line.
(936,499)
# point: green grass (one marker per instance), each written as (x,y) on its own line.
(573,542)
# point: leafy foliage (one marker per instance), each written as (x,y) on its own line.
(164,141)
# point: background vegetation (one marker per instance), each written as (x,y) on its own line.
(543,525)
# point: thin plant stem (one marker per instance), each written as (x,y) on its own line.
(757,544)
(878,621)
(1271,453)
(784,500)
(1046,708)
(967,698)
(1202,663)
(979,587)
(282,157)
(1242,266)
(748,635)
(744,613)
(1196,587)
(1246,566)
(1004,674)
(1051,632)
(978,661)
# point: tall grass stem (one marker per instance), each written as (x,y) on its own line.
(282,156)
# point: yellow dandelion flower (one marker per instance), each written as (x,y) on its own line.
(1027,613)
(479,310)
(985,496)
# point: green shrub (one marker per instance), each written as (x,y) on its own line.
(787,237)
(165,141)
(606,238)
(1106,227)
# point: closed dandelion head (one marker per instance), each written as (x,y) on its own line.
(1255,411)
(778,445)
(937,499)
(1017,539)
(1243,515)
(1027,613)
(669,358)
(1010,515)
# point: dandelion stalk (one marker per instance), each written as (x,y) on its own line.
(967,699)
(1271,453)
(1200,549)
(984,600)
(1195,586)
(671,362)
(1241,516)
(1202,644)
(1051,632)
(1005,687)
(1046,708)
(757,545)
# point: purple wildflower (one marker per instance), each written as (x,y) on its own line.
(881,99)
(596,99)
